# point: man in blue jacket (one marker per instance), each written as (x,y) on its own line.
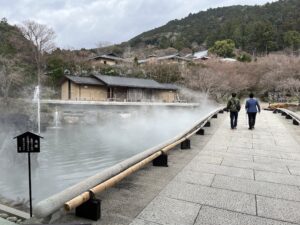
(252,107)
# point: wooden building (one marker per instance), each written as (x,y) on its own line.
(107,59)
(113,88)
(164,59)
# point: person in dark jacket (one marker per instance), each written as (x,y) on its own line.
(252,107)
(233,106)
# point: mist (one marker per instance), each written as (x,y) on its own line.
(74,152)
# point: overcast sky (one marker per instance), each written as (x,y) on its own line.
(84,23)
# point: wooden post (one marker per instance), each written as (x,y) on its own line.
(29,175)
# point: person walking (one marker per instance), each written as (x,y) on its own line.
(233,106)
(252,107)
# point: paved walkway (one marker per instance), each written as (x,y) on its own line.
(241,177)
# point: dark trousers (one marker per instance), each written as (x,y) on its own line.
(251,118)
(233,119)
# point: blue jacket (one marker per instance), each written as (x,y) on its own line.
(252,105)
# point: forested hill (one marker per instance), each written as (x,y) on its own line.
(252,28)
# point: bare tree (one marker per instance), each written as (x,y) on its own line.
(42,39)
(292,85)
(9,76)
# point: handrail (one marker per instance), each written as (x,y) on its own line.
(294,115)
(81,191)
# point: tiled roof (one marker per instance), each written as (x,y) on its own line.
(116,81)
(176,57)
(84,80)
(133,82)
(111,57)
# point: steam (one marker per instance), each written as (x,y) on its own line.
(77,151)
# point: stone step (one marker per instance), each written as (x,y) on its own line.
(6,222)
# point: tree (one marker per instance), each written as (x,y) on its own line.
(223,48)
(10,76)
(292,85)
(262,37)
(292,39)
(42,40)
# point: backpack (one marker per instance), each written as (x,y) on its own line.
(234,105)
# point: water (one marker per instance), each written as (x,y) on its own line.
(56,121)
(74,152)
(36,98)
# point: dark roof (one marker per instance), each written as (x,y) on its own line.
(27,133)
(170,86)
(84,80)
(167,57)
(111,57)
(133,82)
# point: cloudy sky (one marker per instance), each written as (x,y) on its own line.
(85,23)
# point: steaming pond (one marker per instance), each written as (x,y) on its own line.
(72,153)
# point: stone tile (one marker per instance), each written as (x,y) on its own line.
(228,155)
(213,216)
(195,177)
(277,178)
(276,148)
(294,170)
(278,209)
(210,147)
(267,160)
(291,156)
(207,159)
(256,166)
(267,140)
(219,198)
(223,170)
(240,144)
(257,187)
(170,211)
(257,152)
(262,137)
(142,222)
(266,153)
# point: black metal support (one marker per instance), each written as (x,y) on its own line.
(161,161)
(288,117)
(295,122)
(275,111)
(29,175)
(186,144)
(215,116)
(200,132)
(90,209)
(207,124)
(221,111)
(283,113)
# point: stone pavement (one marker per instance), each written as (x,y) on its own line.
(240,177)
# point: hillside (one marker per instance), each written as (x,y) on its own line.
(253,28)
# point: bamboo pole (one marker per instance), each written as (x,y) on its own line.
(81,192)
(80,199)
(77,201)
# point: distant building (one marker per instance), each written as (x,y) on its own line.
(168,58)
(113,88)
(198,56)
(228,60)
(108,59)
